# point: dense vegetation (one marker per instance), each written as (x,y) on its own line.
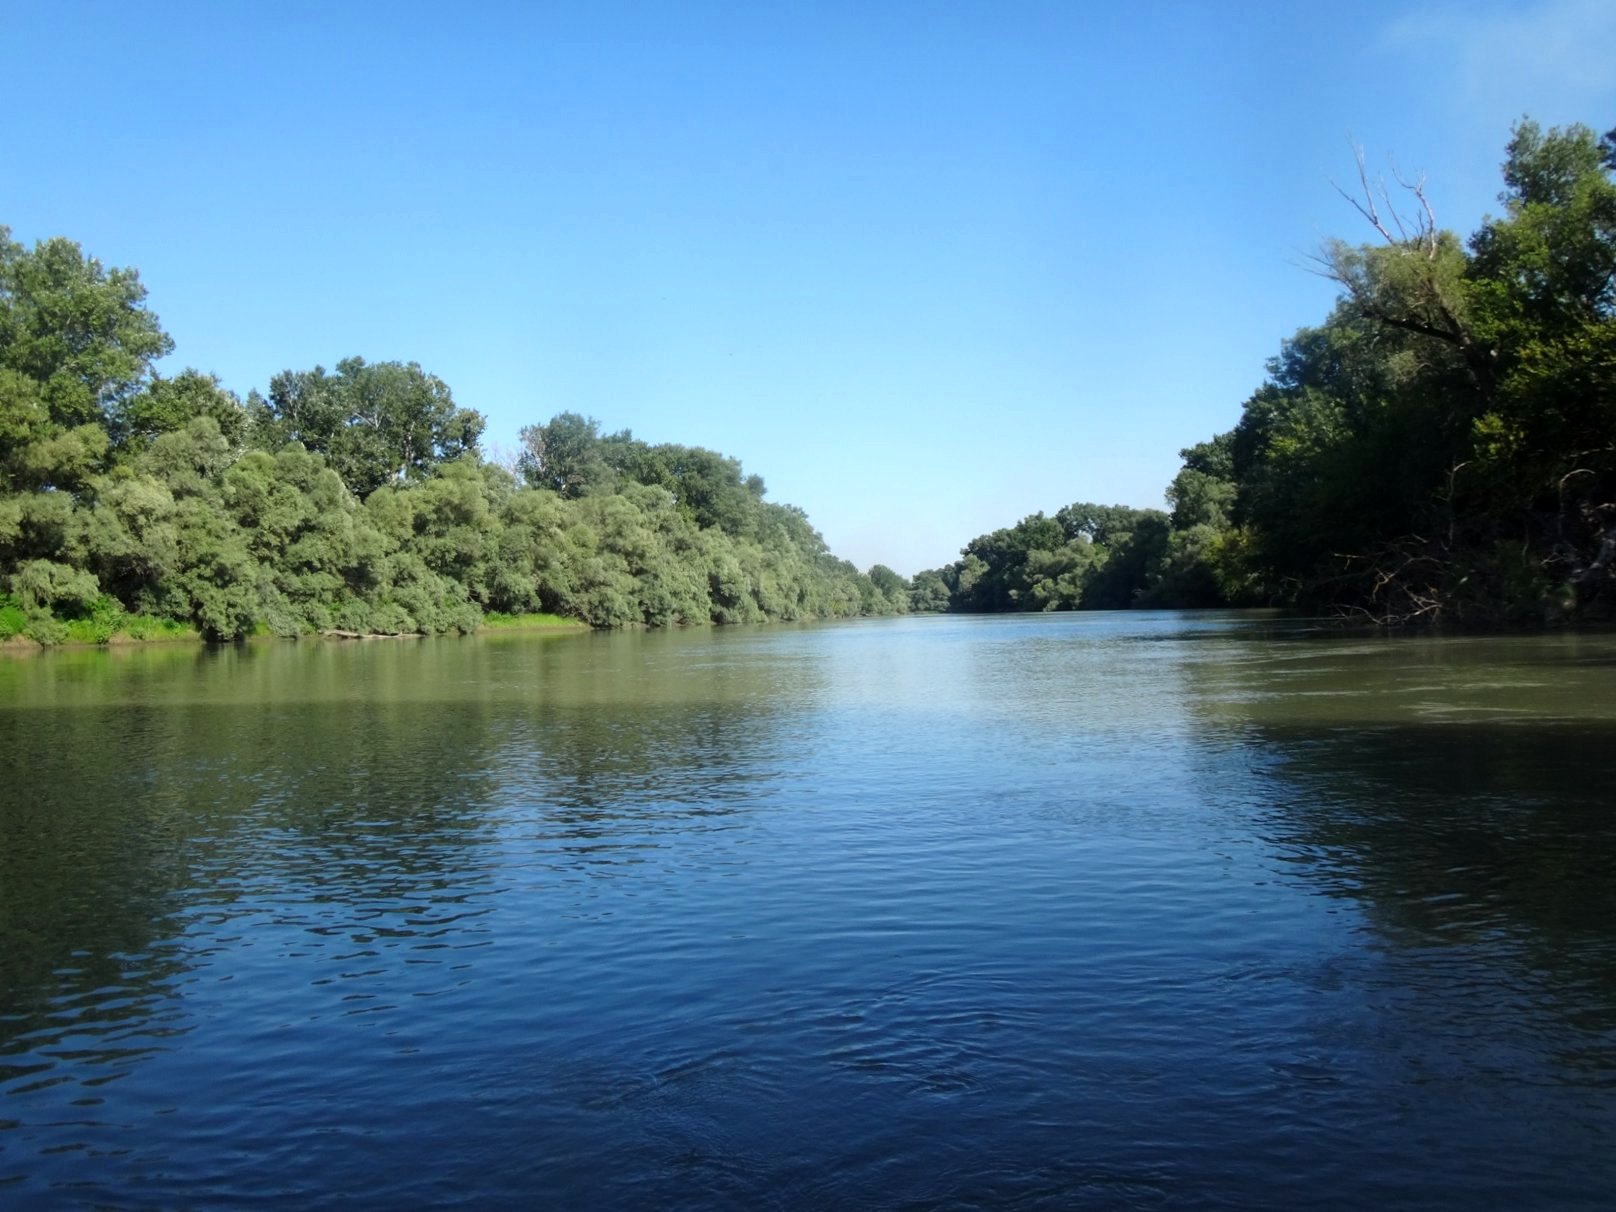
(356,500)
(1442,446)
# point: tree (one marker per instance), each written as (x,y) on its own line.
(1132,557)
(76,341)
(1543,462)
(1441,444)
(708,486)
(929,591)
(564,455)
(167,404)
(78,330)
(375,423)
(1415,280)
(889,591)
(1100,524)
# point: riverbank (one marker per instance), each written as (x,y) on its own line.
(24,637)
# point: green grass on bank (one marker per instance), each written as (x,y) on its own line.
(138,627)
(106,622)
(494,621)
(12,618)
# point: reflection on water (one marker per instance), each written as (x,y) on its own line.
(1137,910)
(1458,795)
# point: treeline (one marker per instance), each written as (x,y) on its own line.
(1442,446)
(1086,557)
(354,500)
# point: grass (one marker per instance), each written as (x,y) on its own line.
(108,623)
(12,619)
(151,627)
(494,621)
(105,622)
(123,628)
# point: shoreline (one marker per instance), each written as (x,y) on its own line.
(26,646)
(18,646)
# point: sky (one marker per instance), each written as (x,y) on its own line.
(927,268)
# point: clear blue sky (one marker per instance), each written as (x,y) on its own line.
(925,267)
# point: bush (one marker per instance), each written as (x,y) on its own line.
(45,628)
(43,585)
(390,618)
(104,619)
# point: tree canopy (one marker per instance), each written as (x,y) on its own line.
(375,424)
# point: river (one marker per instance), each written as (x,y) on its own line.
(1087,910)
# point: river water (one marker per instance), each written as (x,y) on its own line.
(1095,910)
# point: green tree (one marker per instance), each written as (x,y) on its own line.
(1440,445)
(167,404)
(564,455)
(929,591)
(79,331)
(890,586)
(76,341)
(1536,499)
(375,424)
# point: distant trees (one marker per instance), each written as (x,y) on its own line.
(1086,557)
(564,455)
(569,456)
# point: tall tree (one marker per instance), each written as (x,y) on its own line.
(564,455)
(376,423)
(76,340)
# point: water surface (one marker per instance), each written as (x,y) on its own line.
(1119,910)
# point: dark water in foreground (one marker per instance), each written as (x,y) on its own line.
(1096,910)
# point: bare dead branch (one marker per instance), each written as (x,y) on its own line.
(1397,229)
(1367,207)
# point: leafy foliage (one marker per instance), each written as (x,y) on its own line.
(134,504)
(1442,446)
(375,424)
